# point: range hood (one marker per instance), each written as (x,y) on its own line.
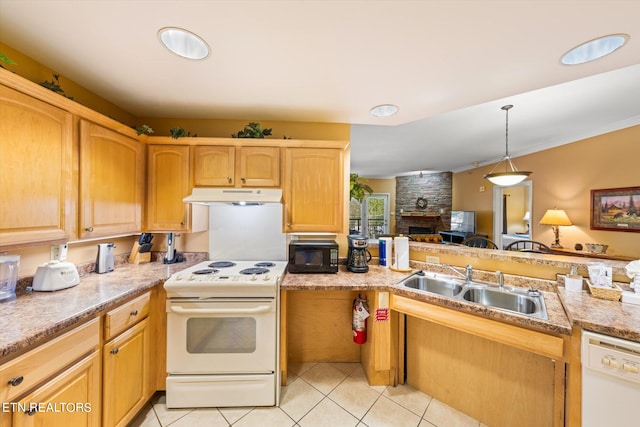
(235,196)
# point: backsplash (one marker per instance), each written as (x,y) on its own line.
(23,284)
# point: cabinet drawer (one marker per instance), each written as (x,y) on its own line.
(130,313)
(30,369)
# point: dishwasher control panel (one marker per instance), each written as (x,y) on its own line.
(611,355)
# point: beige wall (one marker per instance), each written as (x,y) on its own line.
(36,72)
(563,177)
(225,128)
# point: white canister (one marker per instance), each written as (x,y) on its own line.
(401,256)
(573,283)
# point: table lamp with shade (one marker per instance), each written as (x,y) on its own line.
(555,218)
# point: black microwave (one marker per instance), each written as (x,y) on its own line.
(313,256)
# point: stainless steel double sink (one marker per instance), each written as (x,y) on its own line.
(528,302)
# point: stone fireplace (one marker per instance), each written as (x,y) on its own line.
(435,188)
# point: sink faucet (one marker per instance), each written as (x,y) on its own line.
(500,280)
(468,272)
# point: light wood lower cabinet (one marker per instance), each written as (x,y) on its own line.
(38,188)
(70,399)
(63,370)
(126,375)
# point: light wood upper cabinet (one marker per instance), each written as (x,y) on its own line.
(38,187)
(168,182)
(214,166)
(228,166)
(258,167)
(111,182)
(314,190)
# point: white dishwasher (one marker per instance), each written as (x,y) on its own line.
(610,381)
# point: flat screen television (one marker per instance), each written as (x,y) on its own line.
(463,221)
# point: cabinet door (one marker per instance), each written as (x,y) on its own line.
(69,399)
(38,185)
(168,182)
(314,190)
(126,375)
(258,167)
(111,182)
(214,166)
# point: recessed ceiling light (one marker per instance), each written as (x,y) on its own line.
(594,49)
(183,43)
(384,110)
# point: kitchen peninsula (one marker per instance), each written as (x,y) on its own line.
(316,317)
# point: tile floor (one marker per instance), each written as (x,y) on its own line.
(320,394)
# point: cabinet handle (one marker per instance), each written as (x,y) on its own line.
(89,229)
(114,351)
(31,412)
(243,179)
(134,313)
(16,381)
(286,216)
(229,179)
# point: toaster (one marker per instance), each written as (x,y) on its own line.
(55,275)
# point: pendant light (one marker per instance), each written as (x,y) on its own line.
(511,175)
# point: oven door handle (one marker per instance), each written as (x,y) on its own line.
(254,310)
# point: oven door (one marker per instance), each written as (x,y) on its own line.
(221,336)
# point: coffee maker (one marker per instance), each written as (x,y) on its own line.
(358,255)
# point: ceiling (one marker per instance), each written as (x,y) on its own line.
(449,65)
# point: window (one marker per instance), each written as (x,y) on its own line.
(372,217)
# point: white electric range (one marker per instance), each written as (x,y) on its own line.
(223,315)
(224,278)
(223,334)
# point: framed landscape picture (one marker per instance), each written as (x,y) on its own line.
(616,209)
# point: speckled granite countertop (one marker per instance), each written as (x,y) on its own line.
(379,278)
(34,317)
(598,315)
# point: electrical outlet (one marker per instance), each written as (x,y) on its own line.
(433,259)
(59,252)
(482,188)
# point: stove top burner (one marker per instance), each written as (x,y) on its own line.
(265,264)
(222,264)
(255,270)
(206,271)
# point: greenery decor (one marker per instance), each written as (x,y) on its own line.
(54,85)
(180,132)
(143,129)
(4,59)
(357,189)
(252,130)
